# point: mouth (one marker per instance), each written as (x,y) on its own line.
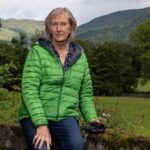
(59,34)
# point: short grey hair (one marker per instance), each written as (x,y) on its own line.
(53,14)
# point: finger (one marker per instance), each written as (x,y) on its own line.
(47,144)
(37,141)
(50,141)
(94,121)
(34,139)
(41,143)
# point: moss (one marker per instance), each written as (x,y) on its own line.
(125,140)
(119,139)
(11,138)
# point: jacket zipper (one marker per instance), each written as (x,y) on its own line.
(60,93)
(58,107)
(63,71)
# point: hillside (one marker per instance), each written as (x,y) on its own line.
(115,26)
(12,27)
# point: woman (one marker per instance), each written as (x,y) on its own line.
(56,81)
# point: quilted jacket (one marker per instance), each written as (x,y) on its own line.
(51,91)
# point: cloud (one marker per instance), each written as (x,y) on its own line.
(32,8)
(83,10)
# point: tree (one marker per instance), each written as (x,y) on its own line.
(113,72)
(114,67)
(141,36)
(141,40)
(36,36)
(6,76)
(12,57)
(145,71)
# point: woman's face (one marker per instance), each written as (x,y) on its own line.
(60,28)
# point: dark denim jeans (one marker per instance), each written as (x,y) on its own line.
(65,133)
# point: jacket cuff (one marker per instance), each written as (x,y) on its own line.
(40,122)
(89,119)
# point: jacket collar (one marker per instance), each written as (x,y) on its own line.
(74,51)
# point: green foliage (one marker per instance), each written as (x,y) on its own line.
(20,50)
(6,76)
(87,46)
(112,69)
(141,40)
(3,93)
(36,35)
(114,66)
(141,36)
(12,57)
(146,65)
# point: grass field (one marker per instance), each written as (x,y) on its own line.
(9,104)
(129,113)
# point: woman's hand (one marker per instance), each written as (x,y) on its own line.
(99,121)
(94,121)
(42,135)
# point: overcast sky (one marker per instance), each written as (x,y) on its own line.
(83,10)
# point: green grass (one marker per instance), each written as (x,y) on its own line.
(143,88)
(131,114)
(127,113)
(9,105)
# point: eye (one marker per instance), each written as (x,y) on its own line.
(53,24)
(63,23)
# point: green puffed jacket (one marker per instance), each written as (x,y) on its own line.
(50,92)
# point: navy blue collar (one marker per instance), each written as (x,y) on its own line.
(73,54)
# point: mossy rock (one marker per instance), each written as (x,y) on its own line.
(11,138)
(118,139)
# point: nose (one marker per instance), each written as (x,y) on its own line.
(58,27)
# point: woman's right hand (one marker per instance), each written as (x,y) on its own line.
(42,135)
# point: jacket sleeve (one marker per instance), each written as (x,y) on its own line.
(30,88)
(86,103)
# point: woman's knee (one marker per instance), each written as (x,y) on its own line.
(44,147)
(76,144)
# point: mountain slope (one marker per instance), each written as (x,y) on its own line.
(115,26)
(12,27)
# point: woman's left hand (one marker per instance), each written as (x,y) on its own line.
(42,135)
(95,121)
(98,121)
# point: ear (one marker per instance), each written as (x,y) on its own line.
(72,29)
